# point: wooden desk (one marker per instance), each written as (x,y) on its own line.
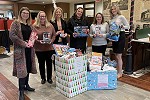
(138,49)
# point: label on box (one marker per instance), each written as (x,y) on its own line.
(102,80)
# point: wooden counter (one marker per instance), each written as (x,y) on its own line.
(138,50)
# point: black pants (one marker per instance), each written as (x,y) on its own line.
(23,82)
(45,56)
(99,49)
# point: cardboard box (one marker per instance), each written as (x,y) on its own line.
(71,75)
(102,80)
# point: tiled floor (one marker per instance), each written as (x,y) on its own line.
(48,91)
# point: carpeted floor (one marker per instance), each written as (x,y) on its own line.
(142,82)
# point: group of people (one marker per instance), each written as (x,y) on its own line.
(60,32)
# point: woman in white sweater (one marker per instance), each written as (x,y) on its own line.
(98,32)
(118,47)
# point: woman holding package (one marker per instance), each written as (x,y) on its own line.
(118,47)
(60,26)
(43,46)
(77,19)
(24,54)
(98,31)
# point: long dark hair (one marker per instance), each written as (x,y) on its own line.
(75,16)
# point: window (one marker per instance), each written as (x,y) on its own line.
(89,8)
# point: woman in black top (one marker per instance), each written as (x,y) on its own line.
(60,26)
(77,19)
(24,54)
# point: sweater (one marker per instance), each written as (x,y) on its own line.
(104,29)
(121,21)
(44,47)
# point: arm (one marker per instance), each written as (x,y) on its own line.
(15,36)
(69,28)
(107,30)
(91,31)
(53,35)
(125,23)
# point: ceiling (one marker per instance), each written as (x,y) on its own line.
(48,1)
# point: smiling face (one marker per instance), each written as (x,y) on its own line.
(79,13)
(42,17)
(99,18)
(114,10)
(58,13)
(25,14)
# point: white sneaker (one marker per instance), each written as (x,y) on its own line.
(6,52)
(10,53)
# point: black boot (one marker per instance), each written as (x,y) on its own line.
(21,95)
(27,87)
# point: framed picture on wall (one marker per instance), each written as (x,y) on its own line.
(1,15)
(123,4)
(146,25)
(106,4)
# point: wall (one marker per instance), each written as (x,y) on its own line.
(98,7)
(48,10)
(32,6)
(140,6)
(66,9)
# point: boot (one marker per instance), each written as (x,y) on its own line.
(29,88)
(21,95)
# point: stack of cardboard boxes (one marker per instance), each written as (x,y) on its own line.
(71,75)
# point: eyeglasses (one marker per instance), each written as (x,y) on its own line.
(25,13)
(42,16)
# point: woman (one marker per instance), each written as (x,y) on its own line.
(77,19)
(60,26)
(44,50)
(24,55)
(98,31)
(118,47)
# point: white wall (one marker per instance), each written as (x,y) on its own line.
(98,7)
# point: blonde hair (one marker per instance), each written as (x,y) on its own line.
(29,20)
(37,20)
(54,14)
(118,11)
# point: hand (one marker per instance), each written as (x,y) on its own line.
(100,35)
(75,35)
(41,41)
(36,37)
(94,35)
(121,26)
(27,45)
(63,35)
(87,31)
(58,32)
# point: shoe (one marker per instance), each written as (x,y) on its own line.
(21,95)
(119,76)
(43,81)
(50,81)
(29,88)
